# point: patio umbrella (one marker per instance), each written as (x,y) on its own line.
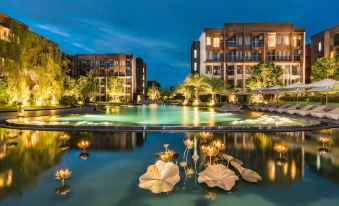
(294,85)
(274,90)
(323,89)
(297,91)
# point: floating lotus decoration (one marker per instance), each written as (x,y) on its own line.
(189,143)
(218,176)
(280,148)
(63,190)
(218,145)
(65,137)
(84,155)
(166,156)
(324,140)
(210,151)
(84,144)
(205,135)
(160,177)
(63,174)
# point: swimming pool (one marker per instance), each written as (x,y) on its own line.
(161,115)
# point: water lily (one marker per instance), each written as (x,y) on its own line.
(63,174)
(189,143)
(84,144)
(166,156)
(160,177)
(280,148)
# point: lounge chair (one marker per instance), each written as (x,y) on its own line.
(333,115)
(294,106)
(313,110)
(279,107)
(304,108)
(264,108)
(324,114)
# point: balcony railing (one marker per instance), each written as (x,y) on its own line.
(256,58)
(231,43)
(230,58)
(256,44)
(296,58)
(271,58)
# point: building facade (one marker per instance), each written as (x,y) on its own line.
(323,44)
(127,67)
(231,51)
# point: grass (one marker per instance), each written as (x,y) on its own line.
(12,108)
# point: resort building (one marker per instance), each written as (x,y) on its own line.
(323,44)
(7,36)
(130,69)
(231,51)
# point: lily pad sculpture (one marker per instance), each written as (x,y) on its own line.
(218,176)
(246,174)
(160,177)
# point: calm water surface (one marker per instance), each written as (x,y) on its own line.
(165,115)
(109,176)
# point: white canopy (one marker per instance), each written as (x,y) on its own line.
(295,85)
(322,89)
(324,83)
(276,87)
(298,90)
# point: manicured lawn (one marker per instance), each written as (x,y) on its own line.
(11,108)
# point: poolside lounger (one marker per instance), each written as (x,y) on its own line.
(323,114)
(333,115)
(294,106)
(313,110)
(304,108)
(264,108)
(279,107)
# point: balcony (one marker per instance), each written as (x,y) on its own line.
(296,58)
(256,43)
(231,43)
(256,57)
(231,58)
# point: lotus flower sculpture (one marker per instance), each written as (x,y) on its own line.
(84,144)
(160,177)
(189,143)
(205,135)
(218,176)
(62,174)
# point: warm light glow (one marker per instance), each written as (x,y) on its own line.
(54,101)
(209,150)
(189,143)
(84,144)
(218,144)
(38,101)
(280,148)
(205,135)
(62,174)
(195,102)
(324,140)
(166,156)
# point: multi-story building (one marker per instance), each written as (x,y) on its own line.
(230,52)
(7,35)
(324,44)
(130,69)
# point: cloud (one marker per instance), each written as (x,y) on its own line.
(81,46)
(53,29)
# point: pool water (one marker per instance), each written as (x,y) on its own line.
(109,175)
(160,115)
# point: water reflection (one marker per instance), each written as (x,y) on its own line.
(40,152)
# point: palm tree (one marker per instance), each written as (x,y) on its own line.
(153,92)
(215,86)
(198,83)
(186,90)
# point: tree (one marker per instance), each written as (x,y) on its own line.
(215,86)
(186,90)
(115,88)
(153,92)
(325,68)
(198,83)
(4,92)
(264,74)
(88,86)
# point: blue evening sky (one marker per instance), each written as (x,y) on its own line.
(159,31)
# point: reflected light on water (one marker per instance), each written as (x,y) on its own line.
(6,178)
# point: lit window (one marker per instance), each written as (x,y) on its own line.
(195,53)
(195,66)
(208,41)
(319,46)
(271,40)
(216,42)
